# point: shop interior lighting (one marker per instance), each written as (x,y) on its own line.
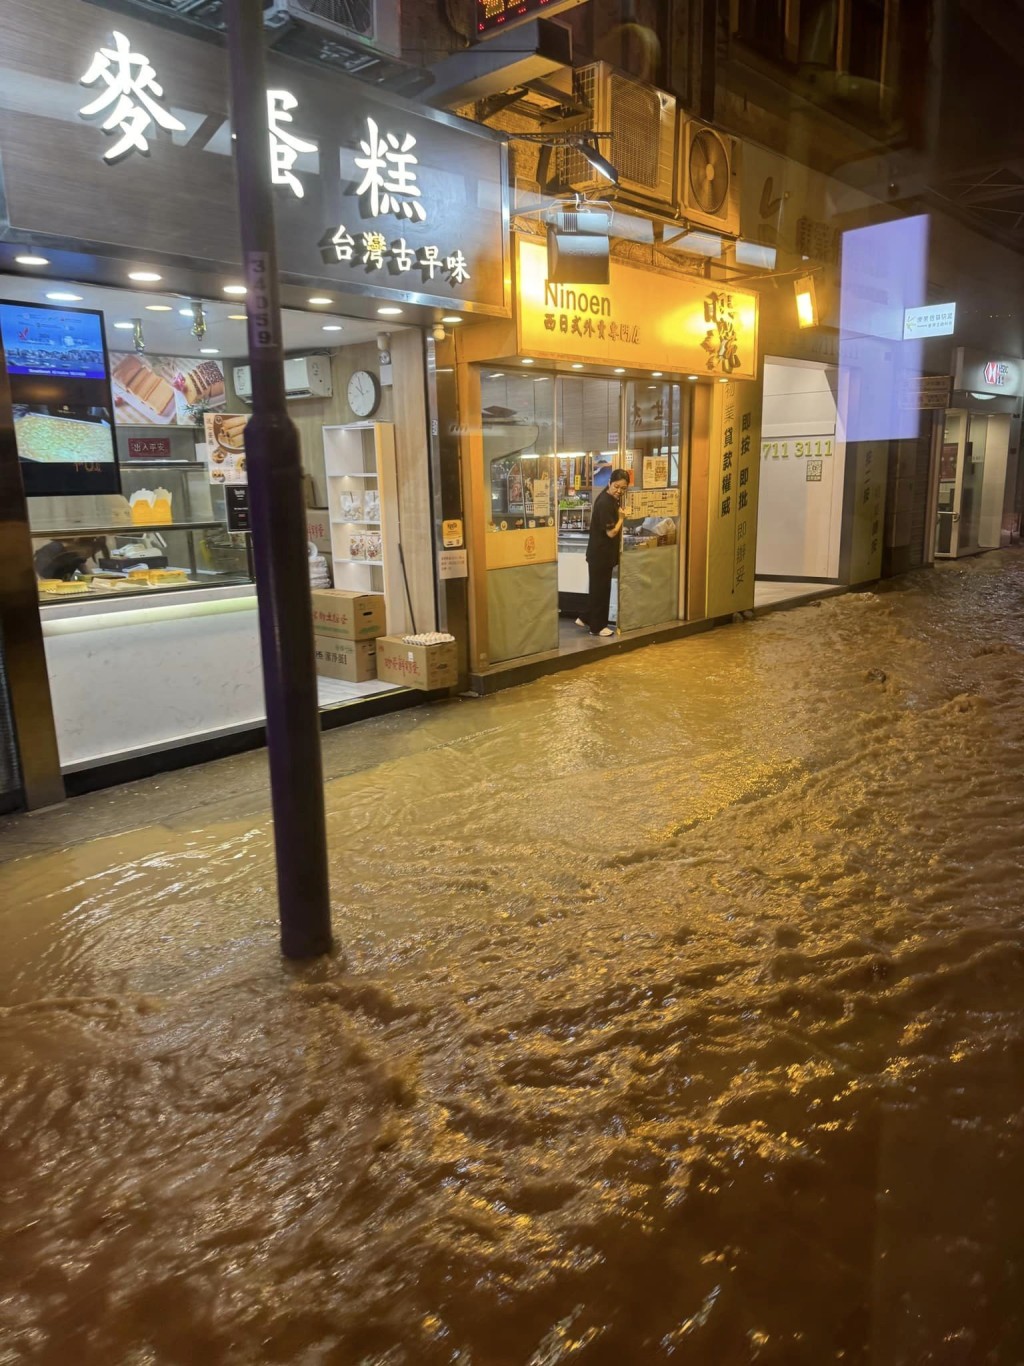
(389,312)
(577,365)
(620,369)
(124,327)
(657,374)
(144,277)
(209,350)
(527,361)
(238,317)
(159,308)
(692,379)
(32,260)
(198,319)
(184,312)
(332,327)
(723,380)
(320,299)
(60,296)
(806,302)
(235,289)
(498,374)
(451,319)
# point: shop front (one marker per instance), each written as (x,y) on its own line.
(979,458)
(125,383)
(653,374)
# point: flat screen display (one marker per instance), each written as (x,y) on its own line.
(59,373)
(52,341)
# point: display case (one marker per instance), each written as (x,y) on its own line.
(362,501)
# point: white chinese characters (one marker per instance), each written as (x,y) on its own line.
(390,174)
(130,97)
(285,147)
(374,252)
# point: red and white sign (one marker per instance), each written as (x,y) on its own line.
(997,373)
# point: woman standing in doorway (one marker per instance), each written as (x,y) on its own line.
(606,519)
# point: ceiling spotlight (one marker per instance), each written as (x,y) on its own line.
(692,379)
(656,374)
(498,374)
(577,365)
(587,148)
(620,369)
(159,308)
(451,318)
(527,361)
(184,312)
(209,351)
(319,299)
(806,301)
(32,260)
(389,311)
(124,327)
(332,327)
(144,277)
(235,289)
(238,317)
(60,296)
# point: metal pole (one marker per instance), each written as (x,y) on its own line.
(278,524)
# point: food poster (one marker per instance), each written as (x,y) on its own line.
(225,442)
(164,390)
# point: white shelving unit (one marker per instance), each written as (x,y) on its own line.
(359,460)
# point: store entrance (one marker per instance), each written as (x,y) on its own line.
(550,444)
(971,475)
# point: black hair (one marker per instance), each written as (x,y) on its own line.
(618,474)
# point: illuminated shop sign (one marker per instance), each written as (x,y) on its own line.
(933,320)
(979,372)
(371,192)
(494,15)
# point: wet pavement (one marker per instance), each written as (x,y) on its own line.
(676,1018)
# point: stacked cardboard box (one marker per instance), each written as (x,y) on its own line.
(427,667)
(346,625)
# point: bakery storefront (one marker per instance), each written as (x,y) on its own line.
(653,373)
(124,388)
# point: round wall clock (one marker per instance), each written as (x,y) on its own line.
(364,393)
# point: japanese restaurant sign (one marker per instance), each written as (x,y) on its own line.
(116,134)
(639,319)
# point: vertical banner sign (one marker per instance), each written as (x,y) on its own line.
(732,498)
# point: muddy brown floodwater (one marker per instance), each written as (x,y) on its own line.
(679,1019)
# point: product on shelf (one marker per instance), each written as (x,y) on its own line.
(350,505)
(64,588)
(371,505)
(161,576)
(151,507)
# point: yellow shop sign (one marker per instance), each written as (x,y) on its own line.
(640,319)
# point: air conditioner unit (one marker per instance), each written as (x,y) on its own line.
(642,122)
(375,22)
(709,182)
(304,377)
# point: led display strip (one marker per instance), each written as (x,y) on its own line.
(494,15)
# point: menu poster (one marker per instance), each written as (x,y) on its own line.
(225,441)
(655,471)
(56,362)
(165,390)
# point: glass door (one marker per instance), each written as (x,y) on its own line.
(961,474)
(650,577)
(589,422)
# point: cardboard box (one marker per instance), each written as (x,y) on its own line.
(417,666)
(347,615)
(351,661)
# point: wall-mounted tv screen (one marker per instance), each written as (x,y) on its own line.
(56,361)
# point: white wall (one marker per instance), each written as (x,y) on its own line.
(799,522)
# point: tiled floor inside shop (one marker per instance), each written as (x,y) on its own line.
(333,693)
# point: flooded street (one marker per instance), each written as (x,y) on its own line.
(677,1017)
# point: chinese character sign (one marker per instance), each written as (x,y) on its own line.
(732,498)
(285,147)
(129,97)
(389,181)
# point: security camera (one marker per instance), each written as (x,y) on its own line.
(438,332)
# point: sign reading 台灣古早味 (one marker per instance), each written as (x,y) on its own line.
(371,193)
(640,318)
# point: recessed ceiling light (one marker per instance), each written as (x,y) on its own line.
(144,277)
(209,351)
(332,327)
(319,299)
(526,361)
(451,318)
(32,260)
(620,369)
(184,312)
(238,317)
(61,297)
(656,374)
(691,378)
(652,386)
(723,381)
(389,312)
(235,289)
(124,327)
(577,365)
(498,374)
(159,308)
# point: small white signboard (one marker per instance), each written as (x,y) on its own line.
(453,564)
(932,320)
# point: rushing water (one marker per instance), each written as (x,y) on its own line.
(678,1017)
